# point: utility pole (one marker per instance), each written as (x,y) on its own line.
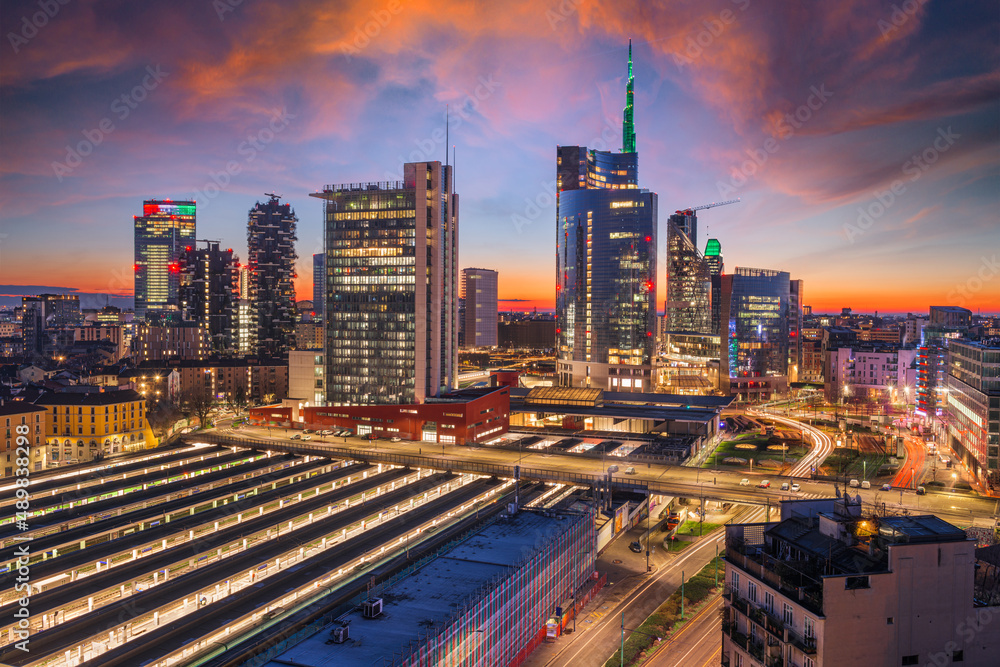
(682,596)
(622,650)
(716,564)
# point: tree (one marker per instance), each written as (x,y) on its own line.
(238,399)
(198,401)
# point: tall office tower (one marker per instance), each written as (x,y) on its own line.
(479,291)
(319,283)
(33,324)
(271,259)
(605,267)
(796,295)
(391,315)
(716,267)
(164,229)
(972,404)
(754,333)
(689,279)
(209,292)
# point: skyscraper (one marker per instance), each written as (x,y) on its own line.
(689,280)
(479,290)
(46,311)
(754,333)
(271,260)
(164,229)
(209,292)
(605,266)
(716,267)
(391,315)
(319,283)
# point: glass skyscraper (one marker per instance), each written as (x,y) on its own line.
(319,283)
(689,280)
(162,232)
(271,257)
(754,331)
(605,266)
(391,338)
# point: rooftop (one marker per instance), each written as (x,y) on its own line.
(425,601)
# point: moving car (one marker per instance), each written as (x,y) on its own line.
(854,483)
(395,438)
(784,486)
(635,546)
(866,484)
(307,437)
(612,468)
(297,436)
(921,490)
(744,482)
(307,430)
(887,487)
(630,470)
(796,487)
(764,485)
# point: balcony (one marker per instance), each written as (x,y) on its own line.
(805,644)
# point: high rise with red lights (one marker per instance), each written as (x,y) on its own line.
(209,292)
(165,228)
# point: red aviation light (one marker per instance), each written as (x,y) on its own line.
(558,331)
(649,333)
(649,285)
(188,248)
(173,267)
(558,288)
(135,267)
(648,239)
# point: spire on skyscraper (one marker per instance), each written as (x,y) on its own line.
(628,126)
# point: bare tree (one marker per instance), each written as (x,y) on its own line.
(197,401)
(238,400)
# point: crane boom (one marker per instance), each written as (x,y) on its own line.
(712,205)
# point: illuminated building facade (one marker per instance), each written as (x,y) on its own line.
(271,259)
(162,232)
(972,406)
(83,425)
(689,278)
(754,333)
(605,268)
(22,419)
(319,283)
(392,338)
(209,290)
(716,267)
(479,290)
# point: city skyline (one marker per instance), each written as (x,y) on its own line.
(878,112)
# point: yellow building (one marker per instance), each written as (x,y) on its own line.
(83,425)
(33,423)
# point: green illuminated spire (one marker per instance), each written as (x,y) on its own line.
(628,126)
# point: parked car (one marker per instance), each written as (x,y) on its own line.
(635,546)
(764,485)
(297,436)
(784,486)
(630,470)
(744,482)
(395,438)
(854,483)
(307,437)
(887,487)
(307,430)
(866,484)
(612,468)
(796,487)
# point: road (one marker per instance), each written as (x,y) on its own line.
(698,643)
(910,473)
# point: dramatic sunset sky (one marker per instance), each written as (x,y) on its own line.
(895,100)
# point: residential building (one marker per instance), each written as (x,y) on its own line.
(83,425)
(271,229)
(867,333)
(209,293)
(754,326)
(33,324)
(319,283)
(829,585)
(309,336)
(605,267)
(883,373)
(391,314)
(479,291)
(932,369)
(811,369)
(112,333)
(158,343)
(20,419)
(161,233)
(258,380)
(972,408)
(305,376)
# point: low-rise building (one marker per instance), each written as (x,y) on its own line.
(828,585)
(22,419)
(883,373)
(305,376)
(82,426)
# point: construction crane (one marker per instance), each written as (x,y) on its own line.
(690,211)
(272,195)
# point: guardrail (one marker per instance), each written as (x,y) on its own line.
(674,489)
